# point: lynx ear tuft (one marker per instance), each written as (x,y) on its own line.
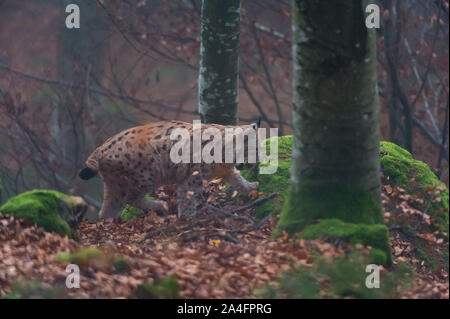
(256,125)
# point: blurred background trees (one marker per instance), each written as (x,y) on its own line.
(137,61)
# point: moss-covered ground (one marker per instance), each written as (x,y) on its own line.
(161,288)
(343,277)
(92,256)
(375,236)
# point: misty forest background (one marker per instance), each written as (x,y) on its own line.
(63,93)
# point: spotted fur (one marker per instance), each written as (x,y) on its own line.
(137,162)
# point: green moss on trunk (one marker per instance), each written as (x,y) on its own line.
(305,204)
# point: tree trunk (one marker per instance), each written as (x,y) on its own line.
(218,78)
(400,120)
(81,51)
(335,168)
(80,61)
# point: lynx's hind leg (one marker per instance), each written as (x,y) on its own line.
(113,201)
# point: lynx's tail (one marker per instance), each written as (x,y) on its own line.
(91,168)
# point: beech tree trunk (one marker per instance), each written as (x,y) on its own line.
(335,169)
(218,82)
(80,61)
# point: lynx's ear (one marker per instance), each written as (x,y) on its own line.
(256,125)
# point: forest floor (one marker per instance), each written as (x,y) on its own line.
(215,255)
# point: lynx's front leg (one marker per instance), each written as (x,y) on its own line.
(139,201)
(240,184)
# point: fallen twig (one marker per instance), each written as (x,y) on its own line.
(254,226)
(256,203)
(231,215)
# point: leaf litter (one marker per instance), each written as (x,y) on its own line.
(221,253)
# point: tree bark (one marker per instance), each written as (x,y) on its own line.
(335,168)
(81,62)
(218,81)
(400,118)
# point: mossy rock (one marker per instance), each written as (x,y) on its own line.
(277,182)
(379,257)
(51,210)
(161,288)
(399,165)
(130,212)
(376,236)
(396,163)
